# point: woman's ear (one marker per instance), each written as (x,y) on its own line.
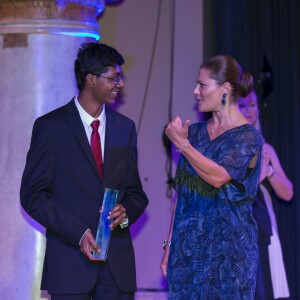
(226,87)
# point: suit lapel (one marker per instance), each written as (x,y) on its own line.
(109,136)
(75,123)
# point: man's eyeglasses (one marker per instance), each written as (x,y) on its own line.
(116,79)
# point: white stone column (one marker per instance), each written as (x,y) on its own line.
(38,45)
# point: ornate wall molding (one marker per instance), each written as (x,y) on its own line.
(80,10)
(45,16)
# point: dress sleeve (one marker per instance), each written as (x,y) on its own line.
(236,156)
(237,153)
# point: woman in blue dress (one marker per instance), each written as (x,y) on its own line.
(211,251)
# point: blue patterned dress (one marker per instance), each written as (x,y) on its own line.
(213,254)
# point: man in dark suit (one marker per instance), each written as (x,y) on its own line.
(64,181)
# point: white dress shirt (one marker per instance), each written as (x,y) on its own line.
(87,121)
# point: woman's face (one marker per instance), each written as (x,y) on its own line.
(249,108)
(208,92)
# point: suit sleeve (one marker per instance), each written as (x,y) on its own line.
(135,200)
(36,193)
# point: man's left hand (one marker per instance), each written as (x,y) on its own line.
(118,214)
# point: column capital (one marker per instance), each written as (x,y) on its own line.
(79,10)
(50,16)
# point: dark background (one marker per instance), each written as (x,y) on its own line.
(264,36)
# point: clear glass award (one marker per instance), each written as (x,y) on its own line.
(103,231)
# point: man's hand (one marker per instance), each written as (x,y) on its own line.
(118,214)
(88,245)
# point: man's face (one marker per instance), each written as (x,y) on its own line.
(108,85)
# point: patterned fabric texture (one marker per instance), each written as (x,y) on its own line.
(213,254)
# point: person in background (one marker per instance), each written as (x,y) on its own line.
(76,152)
(211,251)
(271,278)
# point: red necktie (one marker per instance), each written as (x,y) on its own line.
(96,146)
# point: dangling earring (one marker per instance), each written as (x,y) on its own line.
(224,99)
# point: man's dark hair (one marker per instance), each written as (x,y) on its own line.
(94,58)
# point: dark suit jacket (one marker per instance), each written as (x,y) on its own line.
(61,190)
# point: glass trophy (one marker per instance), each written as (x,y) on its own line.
(103,231)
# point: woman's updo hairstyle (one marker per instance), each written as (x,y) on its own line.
(223,68)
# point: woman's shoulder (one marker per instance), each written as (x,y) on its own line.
(245,134)
(248,128)
(198,125)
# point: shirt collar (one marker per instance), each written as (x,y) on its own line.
(87,118)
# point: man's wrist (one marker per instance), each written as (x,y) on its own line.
(83,236)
